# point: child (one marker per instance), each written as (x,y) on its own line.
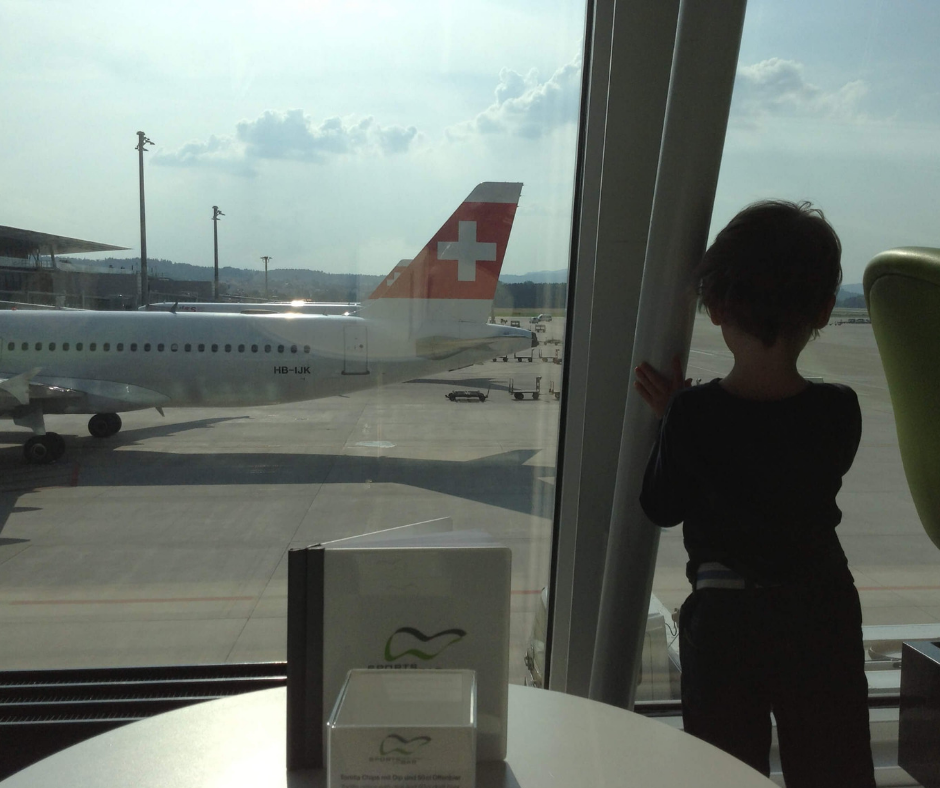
(751,465)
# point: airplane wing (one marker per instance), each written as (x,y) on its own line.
(17,387)
(57,394)
(21,390)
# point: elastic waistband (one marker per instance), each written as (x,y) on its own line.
(712,574)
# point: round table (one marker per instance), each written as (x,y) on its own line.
(555,741)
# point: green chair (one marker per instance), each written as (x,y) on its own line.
(902,290)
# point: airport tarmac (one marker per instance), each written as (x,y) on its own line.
(167,543)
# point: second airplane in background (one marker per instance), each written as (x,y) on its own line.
(428,315)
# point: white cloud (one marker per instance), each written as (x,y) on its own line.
(218,152)
(293,136)
(779,87)
(527,107)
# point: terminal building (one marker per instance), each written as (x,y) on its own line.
(33,272)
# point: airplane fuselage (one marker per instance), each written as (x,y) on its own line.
(119,361)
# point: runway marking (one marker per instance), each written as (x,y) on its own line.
(169,600)
(132,601)
(898,588)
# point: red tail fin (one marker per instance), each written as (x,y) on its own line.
(463,259)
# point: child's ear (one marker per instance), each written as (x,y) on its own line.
(826,313)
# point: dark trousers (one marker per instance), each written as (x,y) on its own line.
(795,651)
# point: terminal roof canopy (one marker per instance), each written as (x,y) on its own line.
(22,243)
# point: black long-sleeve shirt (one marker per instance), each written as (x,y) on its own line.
(755,482)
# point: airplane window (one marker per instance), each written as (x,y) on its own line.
(93,346)
(65,345)
(25,346)
(254,348)
(133,347)
(241,348)
(160,347)
(293,348)
(215,348)
(106,347)
(228,348)
(146,347)
(306,348)
(280,348)
(174,347)
(120,346)
(201,347)
(267,348)
(187,347)
(52,346)
(39,346)
(79,346)
(11,346)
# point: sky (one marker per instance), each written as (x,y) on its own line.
(339,135)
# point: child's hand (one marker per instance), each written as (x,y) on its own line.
(656,388)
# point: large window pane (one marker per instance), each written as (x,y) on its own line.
(332,137)
(837,104)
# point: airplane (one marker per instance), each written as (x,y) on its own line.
(298,305)
(428,315)
(256,308)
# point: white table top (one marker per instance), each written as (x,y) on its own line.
(555,741)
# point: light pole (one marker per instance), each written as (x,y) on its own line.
(142,140)
(265,258)
(216,213)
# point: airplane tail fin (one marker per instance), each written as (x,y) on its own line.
(454,276)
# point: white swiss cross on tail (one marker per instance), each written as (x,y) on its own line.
(466,250)
(431,286)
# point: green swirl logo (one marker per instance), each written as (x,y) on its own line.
(393,743)
(408,640)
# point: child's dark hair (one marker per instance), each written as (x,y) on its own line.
(772,269)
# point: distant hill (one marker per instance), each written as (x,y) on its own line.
(539,277)
(538,289)
(282,282)
(851,297)
(291,282)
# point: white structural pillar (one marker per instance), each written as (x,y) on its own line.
(703,69)
(623,107)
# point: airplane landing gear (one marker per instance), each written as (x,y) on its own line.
(43,449)
(104,425)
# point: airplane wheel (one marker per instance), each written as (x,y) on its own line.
(451,397)
(41,449)
(482,398)
(104,425)
(517,396)
(535,395)
(58,444)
